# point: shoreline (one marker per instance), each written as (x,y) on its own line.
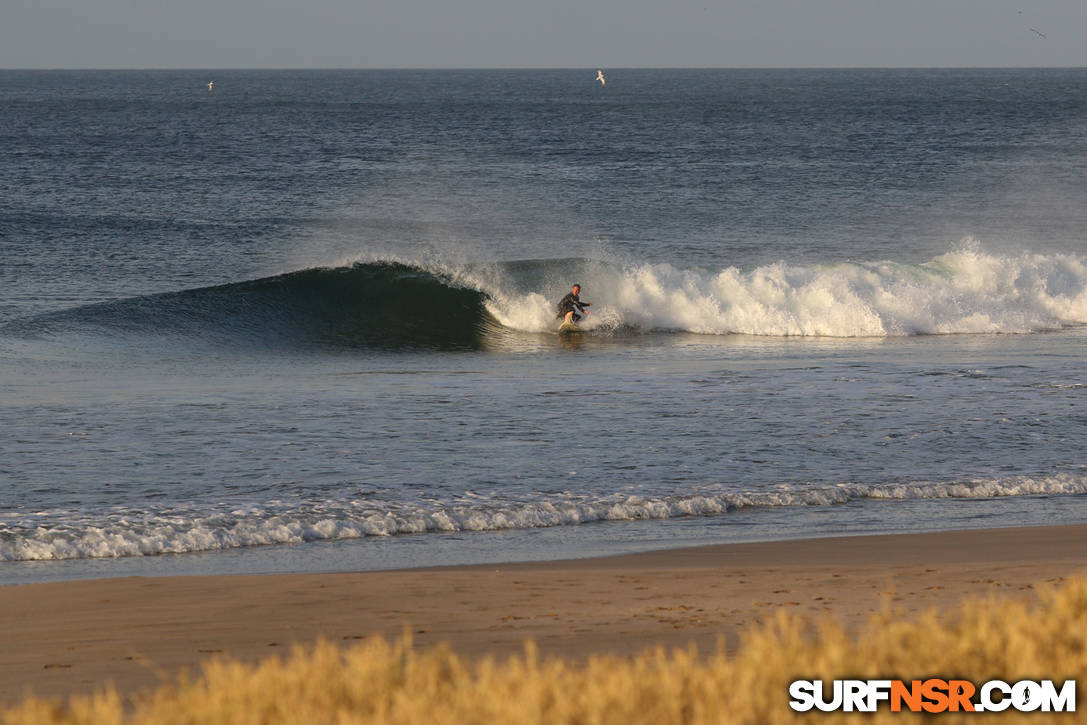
(138,632)
(597,539)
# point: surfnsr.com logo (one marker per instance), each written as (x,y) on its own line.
(933,695)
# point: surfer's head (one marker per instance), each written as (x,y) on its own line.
(576,289)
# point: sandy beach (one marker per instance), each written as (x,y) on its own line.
(72,637)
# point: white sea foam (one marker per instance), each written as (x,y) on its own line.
(45,535)
(964,291)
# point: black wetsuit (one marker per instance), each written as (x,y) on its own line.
(571,302)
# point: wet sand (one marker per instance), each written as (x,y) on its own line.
(73,637)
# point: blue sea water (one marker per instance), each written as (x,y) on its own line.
(305,321)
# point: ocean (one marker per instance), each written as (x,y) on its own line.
(305,320)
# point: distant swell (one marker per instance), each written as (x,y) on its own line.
(128,532)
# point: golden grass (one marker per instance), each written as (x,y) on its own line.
(379,682)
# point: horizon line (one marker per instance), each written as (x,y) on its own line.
(535,68)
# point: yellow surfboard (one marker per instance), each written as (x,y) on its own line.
(567,328)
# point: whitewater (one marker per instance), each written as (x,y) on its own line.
(128,532)
(964,291)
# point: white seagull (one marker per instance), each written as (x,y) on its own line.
(211,84)
(600,77)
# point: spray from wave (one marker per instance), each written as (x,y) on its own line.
(404,305)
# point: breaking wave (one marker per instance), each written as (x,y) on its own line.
(396,304)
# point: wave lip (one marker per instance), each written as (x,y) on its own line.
(128,533)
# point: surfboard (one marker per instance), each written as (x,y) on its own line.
(567,328)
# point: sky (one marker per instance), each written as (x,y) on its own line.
(541,33)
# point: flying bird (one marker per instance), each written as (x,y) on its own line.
(1039,33)
(211,84)
(600,77)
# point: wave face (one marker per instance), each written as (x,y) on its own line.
(400,305)
(379,304)
(129,532)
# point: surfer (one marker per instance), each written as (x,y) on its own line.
(571,305)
